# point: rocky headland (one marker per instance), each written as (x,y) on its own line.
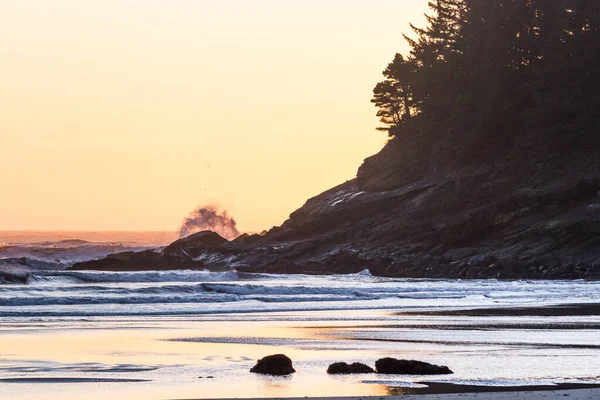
(492,169)
(531,216)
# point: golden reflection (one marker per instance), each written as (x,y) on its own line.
(173,368)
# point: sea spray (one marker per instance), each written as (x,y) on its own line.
(209,217)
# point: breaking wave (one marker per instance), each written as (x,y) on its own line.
(59,254)
(136,276)
(89,293)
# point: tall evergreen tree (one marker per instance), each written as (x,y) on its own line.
(394,95)
(489,69)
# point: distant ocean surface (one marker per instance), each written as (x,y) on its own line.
(159,334)
(60,249)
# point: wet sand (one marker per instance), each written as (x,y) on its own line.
(591,309)
(190,350)
(581,394)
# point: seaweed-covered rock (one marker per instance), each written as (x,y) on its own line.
(339,368)
(277,364)
(390,365)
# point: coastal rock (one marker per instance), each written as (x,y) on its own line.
(340,368)
(277,364)
(191,246)
(137,261)
(511,221)
(409,367)
(180,254)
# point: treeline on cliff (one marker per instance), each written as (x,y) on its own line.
(489,75)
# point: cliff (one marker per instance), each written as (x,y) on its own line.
(493,170)
(531,215)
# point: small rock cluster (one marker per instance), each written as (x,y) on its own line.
(280,364)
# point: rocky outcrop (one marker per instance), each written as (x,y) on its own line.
(181,254)
(194,245)
(528,218)
(409,367)
(277,364)
(467,227)
(342,368)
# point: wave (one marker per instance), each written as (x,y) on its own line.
(41,277)
(34,263)
(133,310)
(58,243)
(233,289)
(184,276)
(62,253)
(188,292)
(74,289)
(149,287)
(164,299)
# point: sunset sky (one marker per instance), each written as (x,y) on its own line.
(126,114)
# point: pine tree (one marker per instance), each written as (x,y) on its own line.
(489,70)
(394,95)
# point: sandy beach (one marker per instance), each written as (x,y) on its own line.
(190,335)
(580,394)
(300,200)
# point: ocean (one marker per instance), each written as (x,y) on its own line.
(196,334)
(60,249)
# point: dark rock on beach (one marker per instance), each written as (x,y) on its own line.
(409,367)
(277,364)
(340,368)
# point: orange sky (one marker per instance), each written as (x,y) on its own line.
(126,114)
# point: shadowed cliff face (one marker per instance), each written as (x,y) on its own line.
(493,169)
(502,223)
(535,215)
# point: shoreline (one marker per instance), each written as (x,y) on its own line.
(176,351)
(437,388)
(574,394)
(465,392)
(557,310)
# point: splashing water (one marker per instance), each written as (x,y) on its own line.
(209,218)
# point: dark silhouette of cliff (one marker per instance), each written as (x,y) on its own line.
(493,165)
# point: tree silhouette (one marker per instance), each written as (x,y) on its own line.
(488,69)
